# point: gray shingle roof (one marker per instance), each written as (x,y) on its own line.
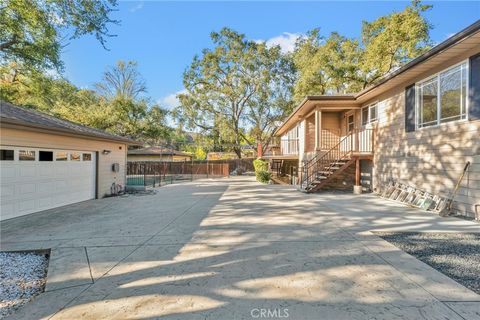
(12,114)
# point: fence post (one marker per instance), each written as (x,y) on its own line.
(144,177)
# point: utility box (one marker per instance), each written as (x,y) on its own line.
(115,167)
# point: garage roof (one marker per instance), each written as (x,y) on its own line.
(15,115)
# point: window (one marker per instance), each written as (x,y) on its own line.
(26,155)
(87,157)
(6,155)
(443,98)
(45,156)
(369,113)
(74,156)
(61,156)
(373,112)
(350,123)
(364,115)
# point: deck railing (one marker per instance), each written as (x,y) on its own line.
(358,141)
(283,147)
(289,146)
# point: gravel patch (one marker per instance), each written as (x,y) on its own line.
(22,276)
(456,255)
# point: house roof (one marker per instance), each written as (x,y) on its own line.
(21,116)
(464,40)
(158,151)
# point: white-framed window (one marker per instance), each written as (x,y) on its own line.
(443,97)
(61,156)
(350,122)
(369,113)
(7,154)
(26,155)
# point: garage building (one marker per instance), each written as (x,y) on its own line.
(46,162)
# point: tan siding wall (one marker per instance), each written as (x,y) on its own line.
(310,133)
(430,158)
(106,177)
(331,120)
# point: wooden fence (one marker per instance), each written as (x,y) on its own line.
(244,164)
(157,173)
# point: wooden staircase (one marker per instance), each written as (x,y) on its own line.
(321,169)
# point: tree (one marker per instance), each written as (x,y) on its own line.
(341,65)
(122,81)
(124,115)
(155,131)
(32,31)
(274,100)
(229,86)
(123,87)
(200,153)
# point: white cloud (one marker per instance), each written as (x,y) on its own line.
(170,101)
(136,7)
(448,35)
(286,41)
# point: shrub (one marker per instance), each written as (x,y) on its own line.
(260,165)
(261,170)
(263,176)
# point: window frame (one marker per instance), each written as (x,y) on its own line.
(75,156)
(67,156)
(52,154)
(350,123)
(35,154)
(437,79)
(6,149)
(369,118)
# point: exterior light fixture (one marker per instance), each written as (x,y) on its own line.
(106,152)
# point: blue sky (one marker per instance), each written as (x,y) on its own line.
(164,36)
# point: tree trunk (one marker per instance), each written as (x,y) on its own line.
(238,151)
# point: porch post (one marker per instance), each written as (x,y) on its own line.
(301,146)
(318,128)
(357,189)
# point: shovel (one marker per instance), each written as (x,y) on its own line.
(447,210)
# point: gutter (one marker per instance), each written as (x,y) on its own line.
(70,132)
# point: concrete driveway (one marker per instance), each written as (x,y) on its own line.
(235,249)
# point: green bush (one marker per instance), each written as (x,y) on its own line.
(263,176)
(260,165)
(261,170)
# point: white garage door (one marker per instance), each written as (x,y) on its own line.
(38,179)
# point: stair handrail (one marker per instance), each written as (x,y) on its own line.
(320,161)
